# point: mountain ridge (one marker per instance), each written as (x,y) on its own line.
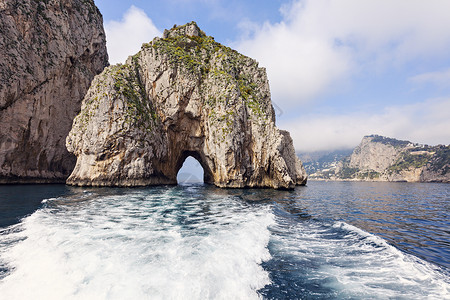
(379,158)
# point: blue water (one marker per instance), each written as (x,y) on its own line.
(328,240)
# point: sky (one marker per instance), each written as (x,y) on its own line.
(338,69)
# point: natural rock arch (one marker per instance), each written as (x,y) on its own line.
(207,176)
(182,95)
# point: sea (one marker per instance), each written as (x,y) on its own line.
(326,240)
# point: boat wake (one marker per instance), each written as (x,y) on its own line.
(195,242)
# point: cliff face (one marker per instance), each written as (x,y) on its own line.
(182,95)
(379,158)
(375,154)
(49,53)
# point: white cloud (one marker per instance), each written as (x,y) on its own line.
(424,122)
(125,37)
(299,67)
(321,44)
(439,78)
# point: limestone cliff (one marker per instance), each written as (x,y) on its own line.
(376,153)
(49,53)
(182,95)
(380,158)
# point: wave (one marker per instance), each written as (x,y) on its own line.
(191,242)
(158,244)
(335,260)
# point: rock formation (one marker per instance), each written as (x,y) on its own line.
(182,95)
(380,158)
(49,53)
(376,153)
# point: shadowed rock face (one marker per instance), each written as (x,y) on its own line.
(183,95)
(49,53)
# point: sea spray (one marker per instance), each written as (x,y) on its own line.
(158,244)
(197,241)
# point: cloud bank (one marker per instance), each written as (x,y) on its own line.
(125,37)
(320,44)
(427,122)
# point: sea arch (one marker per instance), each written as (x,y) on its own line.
(191,170)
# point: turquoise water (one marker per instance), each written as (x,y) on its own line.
(332,240)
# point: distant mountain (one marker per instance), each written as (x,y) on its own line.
(322,160)
(379,158)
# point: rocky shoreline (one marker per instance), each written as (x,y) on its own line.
(379,158)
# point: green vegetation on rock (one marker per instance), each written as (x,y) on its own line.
(440,161)
(389,141)
(210,60)
(409,161)
(347,172)
(128,84)
(368,174)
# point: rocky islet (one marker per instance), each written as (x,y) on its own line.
(182,95)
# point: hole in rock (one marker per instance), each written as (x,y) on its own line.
(190,172)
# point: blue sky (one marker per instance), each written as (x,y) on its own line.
(338,69)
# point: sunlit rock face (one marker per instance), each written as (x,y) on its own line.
(49,53)
(182,95)
(379,158)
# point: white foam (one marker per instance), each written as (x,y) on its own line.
(357,264)
(140,246)
(169,245)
